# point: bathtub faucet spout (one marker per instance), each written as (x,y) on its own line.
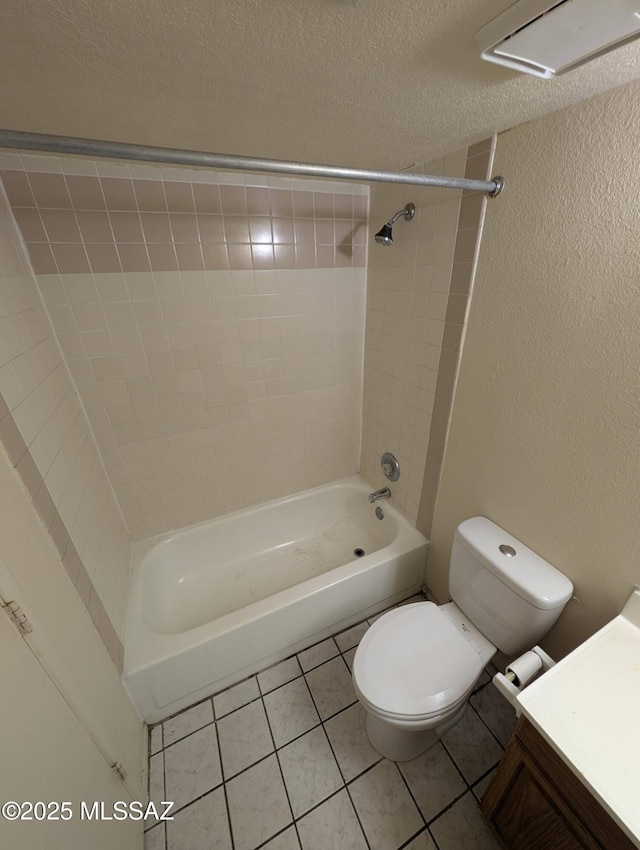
(385,493)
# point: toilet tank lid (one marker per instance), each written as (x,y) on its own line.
(527,574)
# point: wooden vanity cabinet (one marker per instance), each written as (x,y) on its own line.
(535,802)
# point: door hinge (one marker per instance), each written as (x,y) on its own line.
(18,617)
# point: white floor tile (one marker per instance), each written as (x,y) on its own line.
(331,687)
(434,781)
(236,697)
(423,842)
(189,721)
(332,825)
(463,828)
(155,740)
(351,637)
(472,746)
(348,656)
(317,654)
(201,826)
(258,805)
(278,675)
(287,840)
(310,771)
(312,763)
(192,766)
(156,779)
(244,738)
(481,787)
(348,737)
(388,814)
(154,838)
(484,679)
(496,712)
(291,711)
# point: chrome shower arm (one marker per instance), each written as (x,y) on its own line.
(407,211)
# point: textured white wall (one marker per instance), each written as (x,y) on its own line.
(545,435)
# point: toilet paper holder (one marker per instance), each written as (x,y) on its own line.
(520,672)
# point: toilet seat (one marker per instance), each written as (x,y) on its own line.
(413,665)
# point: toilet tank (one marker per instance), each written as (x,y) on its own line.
(512,595)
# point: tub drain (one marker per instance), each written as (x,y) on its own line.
(359,552)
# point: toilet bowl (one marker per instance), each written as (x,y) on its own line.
(413,673)
(416,666)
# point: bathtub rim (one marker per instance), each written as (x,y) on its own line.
(143,547)
(144,647)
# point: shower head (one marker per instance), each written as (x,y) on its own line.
(385,235)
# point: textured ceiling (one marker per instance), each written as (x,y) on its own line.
(378,84)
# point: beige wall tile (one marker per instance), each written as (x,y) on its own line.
(176,308)
(50,191)
(86,192)
(30,224)
(119,194)
(42,424)
(414,331)
(18,189)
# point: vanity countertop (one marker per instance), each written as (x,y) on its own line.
(588,709)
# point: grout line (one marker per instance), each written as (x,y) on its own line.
(277,835)
(448,806)
(414,836)
(433,838)
(455,763)
(408,787)
(482,718)
(284,784)
(353,806)
(188,735)
(344,780)
(164,789)
(201,796)
(182,711)
(366,770)
(483,777)
(224,788)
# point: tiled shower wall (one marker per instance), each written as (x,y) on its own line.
(213,326)
(46,436)
(418,292)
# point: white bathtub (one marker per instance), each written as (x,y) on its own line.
(219,601)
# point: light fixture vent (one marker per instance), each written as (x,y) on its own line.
(548,38)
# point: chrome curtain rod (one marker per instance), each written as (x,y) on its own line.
(14,139)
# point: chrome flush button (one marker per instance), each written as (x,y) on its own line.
(507,550)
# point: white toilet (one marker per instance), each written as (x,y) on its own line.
(416,666)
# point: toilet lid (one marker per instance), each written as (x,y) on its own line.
(414,662)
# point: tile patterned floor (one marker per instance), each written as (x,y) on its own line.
(281,761)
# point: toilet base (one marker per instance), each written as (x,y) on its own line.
(398,744)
